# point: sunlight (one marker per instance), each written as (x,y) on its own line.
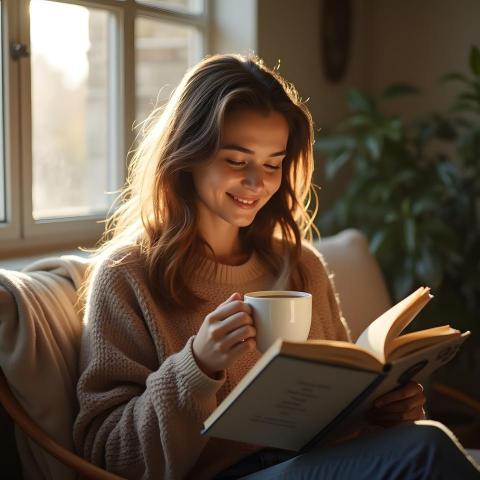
(60,34)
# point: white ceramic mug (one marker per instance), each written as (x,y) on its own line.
(280,314)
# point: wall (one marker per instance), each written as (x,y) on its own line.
(289,31)
(233,26)
(418,42)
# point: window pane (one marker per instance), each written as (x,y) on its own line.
(190,6)
(164,51)
(2,150)
(70,109)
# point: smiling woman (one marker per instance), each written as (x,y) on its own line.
(239,179)
(214,208)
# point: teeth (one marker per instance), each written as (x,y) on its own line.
(241,200)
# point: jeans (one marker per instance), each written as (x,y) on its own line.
(423,450)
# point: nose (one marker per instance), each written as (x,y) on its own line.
(253,179)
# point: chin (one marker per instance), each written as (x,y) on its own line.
(242,222)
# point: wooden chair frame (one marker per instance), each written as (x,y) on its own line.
(21,418)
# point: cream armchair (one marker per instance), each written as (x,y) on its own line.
(49,349)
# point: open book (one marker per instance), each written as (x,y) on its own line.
(300,394)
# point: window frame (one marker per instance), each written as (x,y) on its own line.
(21,233)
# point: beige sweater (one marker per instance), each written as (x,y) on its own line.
(142,396)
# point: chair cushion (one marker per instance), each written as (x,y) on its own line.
(359,282)
(40,330)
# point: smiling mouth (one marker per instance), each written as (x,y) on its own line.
(243,202)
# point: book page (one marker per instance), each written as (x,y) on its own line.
(389,325)
(406,344)
(289,403)
(333,351)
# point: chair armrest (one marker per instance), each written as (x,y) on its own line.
(8,307)
(38,435)
(357,276)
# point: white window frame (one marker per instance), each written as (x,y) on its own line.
(21,233)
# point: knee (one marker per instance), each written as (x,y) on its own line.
(432,435)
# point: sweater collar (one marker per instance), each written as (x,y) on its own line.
(223,274)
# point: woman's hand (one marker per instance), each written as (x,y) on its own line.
(225,334)
(402,405)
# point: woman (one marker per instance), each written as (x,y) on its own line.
(213,208)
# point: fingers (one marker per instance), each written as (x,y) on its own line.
(231,306)
(241,348)
(404,404)
(230,324)
(408,403)
(409,390)
(387,419)
(239,335)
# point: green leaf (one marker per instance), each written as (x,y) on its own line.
(359,121)
(463,107)
(424,205)
(475,61)
(376,241)
(334,164)
(374,145)
(358,101)
(394,129)
(429,269)
(454,77)
(410,234)
(399,90)
(469,97)
(333,143)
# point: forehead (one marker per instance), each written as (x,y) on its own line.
(248,127)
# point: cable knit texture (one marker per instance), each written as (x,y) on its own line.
(142,396)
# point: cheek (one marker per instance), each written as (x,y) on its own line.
(274,183)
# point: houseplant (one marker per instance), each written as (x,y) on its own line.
(414,190)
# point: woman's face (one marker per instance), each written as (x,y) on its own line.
(242,176)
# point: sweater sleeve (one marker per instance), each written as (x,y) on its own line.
(140,411)
(326,302)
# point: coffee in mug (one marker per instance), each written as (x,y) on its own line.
(280,314)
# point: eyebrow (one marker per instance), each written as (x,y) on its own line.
(239,148)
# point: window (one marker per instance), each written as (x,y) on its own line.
(78,75)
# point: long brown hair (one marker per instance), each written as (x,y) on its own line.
(158,203)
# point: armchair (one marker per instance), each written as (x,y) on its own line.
(36,353)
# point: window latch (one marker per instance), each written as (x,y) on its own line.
(19,50)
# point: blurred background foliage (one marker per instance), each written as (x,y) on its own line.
(414,190)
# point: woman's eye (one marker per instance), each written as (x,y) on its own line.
(235,163)
(273,167)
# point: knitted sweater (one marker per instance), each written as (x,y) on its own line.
(142,397)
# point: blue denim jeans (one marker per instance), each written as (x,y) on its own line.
(424,450)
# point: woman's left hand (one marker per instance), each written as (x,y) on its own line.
(401,405)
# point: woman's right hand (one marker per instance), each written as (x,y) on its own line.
(225,334)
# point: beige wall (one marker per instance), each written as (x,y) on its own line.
(289,31)
(233,26)
(415,41)
(419,41)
